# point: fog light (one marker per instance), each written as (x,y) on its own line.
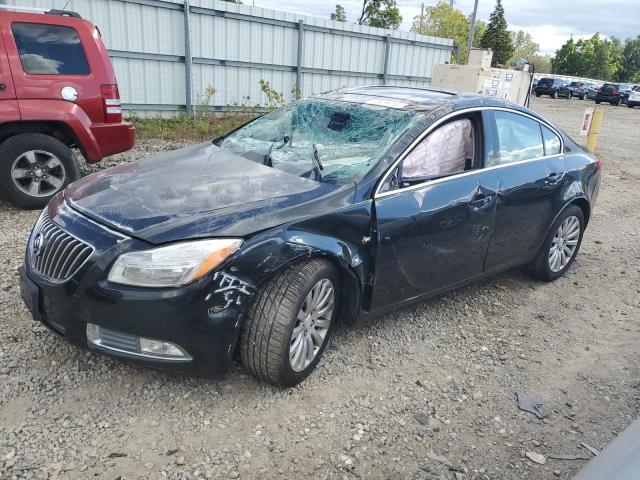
(122,342)
(157,347)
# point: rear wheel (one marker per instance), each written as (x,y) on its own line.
(555,95)
(570,95)
(290,322)
(538,94)
(34,167)
(561,245)
(630,105)
(597,102)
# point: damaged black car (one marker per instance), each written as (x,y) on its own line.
(333,208)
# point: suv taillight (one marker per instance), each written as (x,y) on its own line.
(615,92)
(111,103)
(598,164)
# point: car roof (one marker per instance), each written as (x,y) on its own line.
(411,98)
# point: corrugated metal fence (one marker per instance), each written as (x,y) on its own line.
(232,47)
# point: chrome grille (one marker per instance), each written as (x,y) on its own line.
(56,254)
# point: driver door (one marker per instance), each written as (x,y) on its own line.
(433,234)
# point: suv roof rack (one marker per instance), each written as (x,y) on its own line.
(46,11)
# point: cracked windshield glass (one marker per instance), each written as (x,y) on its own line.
(328,141)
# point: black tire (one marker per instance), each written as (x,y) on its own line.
(14,147)
(570,96)
(265,340)
(555,95)
(540,268)
(597,102)
(538,94)
(629,105)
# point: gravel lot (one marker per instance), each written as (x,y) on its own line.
(428,392)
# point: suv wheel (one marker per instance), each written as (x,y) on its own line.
(570,95)
(290,322)
(561,245)
(34,167)
(555,95)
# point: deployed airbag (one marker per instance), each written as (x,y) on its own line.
(443,152)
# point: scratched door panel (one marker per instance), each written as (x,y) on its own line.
(432,237)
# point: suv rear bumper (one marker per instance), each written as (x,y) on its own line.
(112,138)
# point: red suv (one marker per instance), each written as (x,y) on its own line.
(57,91)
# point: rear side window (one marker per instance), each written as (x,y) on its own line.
(551,142)
(519,138)
(50,49)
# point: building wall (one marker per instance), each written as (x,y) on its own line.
(233,47)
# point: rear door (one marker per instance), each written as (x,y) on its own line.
(532,172)
(48,53)
(8,105)
(434,233)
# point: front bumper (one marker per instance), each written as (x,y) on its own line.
(199,318)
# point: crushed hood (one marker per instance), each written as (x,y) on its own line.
(199,191)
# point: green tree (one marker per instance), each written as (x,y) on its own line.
(630,71)
(496,36)
(339,15)
(594,57)
(442,20)
(380,13)
(542,63)
(523,46)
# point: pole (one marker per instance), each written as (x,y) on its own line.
(422,19)
(472,27)
(385,68)
(594,129)
(299,59)
(187,60)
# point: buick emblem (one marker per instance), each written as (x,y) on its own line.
(38,244)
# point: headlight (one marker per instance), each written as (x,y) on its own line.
(173,265)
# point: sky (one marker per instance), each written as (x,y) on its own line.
(550,22)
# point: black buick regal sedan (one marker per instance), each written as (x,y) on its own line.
(335,207)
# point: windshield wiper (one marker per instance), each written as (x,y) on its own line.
(317,164)
(267,160)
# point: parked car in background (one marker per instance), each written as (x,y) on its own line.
(626,89)
(549,86)
(369,199)
(592,91)
(609,93)
(573,89)
(634,97)
(58,92)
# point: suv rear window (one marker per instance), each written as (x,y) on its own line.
(546,81)
(50,49)
(610,86)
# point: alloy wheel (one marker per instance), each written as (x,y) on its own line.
(564,244)
(312,325)
(38,173)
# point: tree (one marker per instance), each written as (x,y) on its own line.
(594,57)
(442,20)
(381,14)
(630,71)
(496,36)
(523,46)
(542,63)
(339,15)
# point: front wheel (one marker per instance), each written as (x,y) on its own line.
(555,95)
(290,322)
(34,167)
(561,245)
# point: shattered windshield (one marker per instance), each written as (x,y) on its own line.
(329,141)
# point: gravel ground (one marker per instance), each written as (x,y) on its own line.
(428,392)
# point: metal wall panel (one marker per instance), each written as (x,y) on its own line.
(234,46)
